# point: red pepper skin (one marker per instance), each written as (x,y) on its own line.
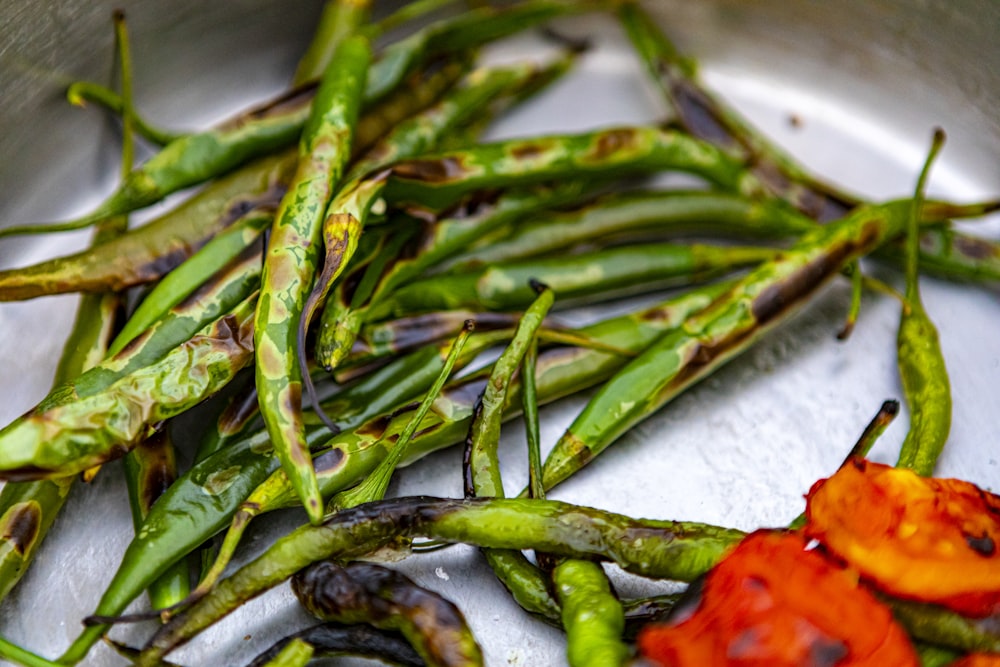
(927,539)
(773,602)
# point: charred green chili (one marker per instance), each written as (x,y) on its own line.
(664,549)
(296,653)
(597,274)
(372,594)
(292,256)
(921,362)
(481,463)
(756,304)
(339,19)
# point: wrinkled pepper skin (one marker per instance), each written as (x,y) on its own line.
(772,602)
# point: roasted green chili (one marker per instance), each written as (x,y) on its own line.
(292,256)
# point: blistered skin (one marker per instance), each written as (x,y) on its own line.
(771,602)
(925,539)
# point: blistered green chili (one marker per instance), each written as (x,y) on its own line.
(756,304)
(663,549)
(339,19)
(146,253)
(333,639)
(291,261)
(71,436)
(373,594)
(920,359)
(595,275)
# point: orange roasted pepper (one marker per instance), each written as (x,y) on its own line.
(773,602)
(933,540)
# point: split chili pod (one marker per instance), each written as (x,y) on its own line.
(928,539)
(772,601)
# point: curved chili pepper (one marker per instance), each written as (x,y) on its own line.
(292,257)
(599,274)
(757,303)
(296,653)
(666,549)
(933,540)
(146,253)
(481,463)
(919,357)
(591,614)
(388,600)
(67,438)
(333,639)
(771,601)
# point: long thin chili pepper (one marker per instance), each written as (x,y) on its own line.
(595,275)
(146,253)
(630,214)
(757,303)
(210,493)
(71,437)
(481,463)
(375,485)
(292,256)
(592,615)
(664,549)
(339,19)
(333,639)
(921,362)
(388,600)
(942,627)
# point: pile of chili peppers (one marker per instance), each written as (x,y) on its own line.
(356,246)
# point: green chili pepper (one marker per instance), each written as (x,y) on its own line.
(292,256)
(757,303)
(920,359)
(594,275)
(332,639)
(636,213)
(933,656)
(70,437)
(664,549)
(592,615)
(481,461)
(146,253)
(369,593)
(20,656)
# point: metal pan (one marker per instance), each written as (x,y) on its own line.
(852,87)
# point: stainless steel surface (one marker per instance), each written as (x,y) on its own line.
(868,81)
